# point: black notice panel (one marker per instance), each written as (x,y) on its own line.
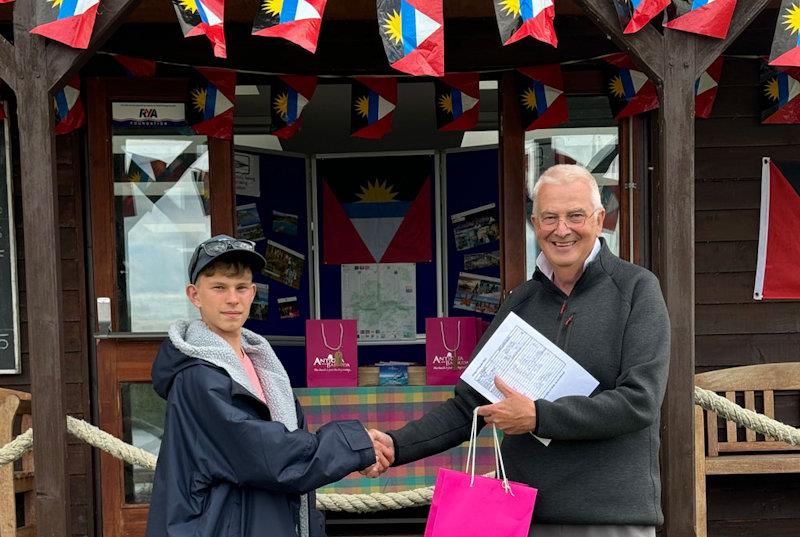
(9,337)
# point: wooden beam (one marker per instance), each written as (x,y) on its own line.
(709,50)
(8,64)
(64,62)
(645,45)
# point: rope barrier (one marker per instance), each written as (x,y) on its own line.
(364,503)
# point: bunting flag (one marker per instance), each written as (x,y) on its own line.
(212,93)
(630,91)
(297,21)
(786,40)
(705,89)
(608,197)
(779,95)
(117,65)
(541,96)
(376,215)
(458,102)
(706,17)
(635,14)
(289,96)
(517,19)
(203,17)
(69,22)
(412,32)
(69,109)
(373,101)
(777,275)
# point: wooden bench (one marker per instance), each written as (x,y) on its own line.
(726,454)
(15,408)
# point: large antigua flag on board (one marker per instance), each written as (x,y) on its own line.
(211,96)
(376,209)
(458,101)
(780,95)
(635,14)
(412,32)
(705,17)
(297,21)
(517,19)
(786,39)
(372,104)
(630,91)
(289,96)
(777,271)
(705,89)
(70,113)
(68,21)
(540,91)
(203,17)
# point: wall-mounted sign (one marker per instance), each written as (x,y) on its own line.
(148,114)
(9,318)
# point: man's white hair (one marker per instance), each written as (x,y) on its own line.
(565,174)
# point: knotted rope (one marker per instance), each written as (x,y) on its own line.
(363,503)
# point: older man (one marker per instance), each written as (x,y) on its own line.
(599,477)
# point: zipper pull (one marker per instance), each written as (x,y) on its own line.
(563,309)
(569,320)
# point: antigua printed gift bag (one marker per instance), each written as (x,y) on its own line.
(331,353)
(449,342)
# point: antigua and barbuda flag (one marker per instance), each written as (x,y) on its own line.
(777,274)
(203,17)
(630,91)
(70,114)
(540,91)
(376,210)
(212,93)
(517,19)
(705,89)
(372,102)
(68,21)
(780,95)
(288,97)
(635,14)
(786,39)
(297,21)
(705,17)
(412,32)
(458,101)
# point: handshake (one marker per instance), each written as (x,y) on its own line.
(384,453)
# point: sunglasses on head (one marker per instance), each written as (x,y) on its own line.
(219,246)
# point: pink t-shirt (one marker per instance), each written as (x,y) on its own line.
(253,376)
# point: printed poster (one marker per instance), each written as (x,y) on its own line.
(259,309)
(246,174)
(477,293)
(475,227)
(383,298)
(283,264)
(248,223)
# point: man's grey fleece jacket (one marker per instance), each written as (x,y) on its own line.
(602,465)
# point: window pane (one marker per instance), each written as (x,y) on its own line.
(143,426)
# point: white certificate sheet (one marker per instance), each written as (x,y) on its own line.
(528,362)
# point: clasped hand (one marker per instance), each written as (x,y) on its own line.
(384,453)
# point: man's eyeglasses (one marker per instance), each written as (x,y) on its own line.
(219,246)
(577,218)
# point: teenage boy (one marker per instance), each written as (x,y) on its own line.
(235,458)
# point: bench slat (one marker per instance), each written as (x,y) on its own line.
(744,447)
(748,464)
(730,426)
(769,409)
(750,404)
(713,439)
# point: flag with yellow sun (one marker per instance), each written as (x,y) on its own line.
(298,21)
(457,101)
(372,104)
(412,32)
(630,92)
(209,109)
(705,89)
(517,19)
(705,17)
(635,14)
(540,91)
(780,95)
(786,40)
(203,17)
(70,114)
(376,209)
(69,22)
(288,97)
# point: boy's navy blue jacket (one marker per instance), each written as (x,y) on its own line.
(225,469)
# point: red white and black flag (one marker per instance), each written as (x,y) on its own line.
(705,17)
(778,270)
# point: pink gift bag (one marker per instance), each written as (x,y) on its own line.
(449,342)
(331,353)
(469,505)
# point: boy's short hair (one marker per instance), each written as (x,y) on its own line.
(231,269)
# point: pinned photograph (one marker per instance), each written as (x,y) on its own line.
(288,307)
(283,264)
(285,223)
(259,310)
(476,226)
(248,223)
(477,293)
(482,260)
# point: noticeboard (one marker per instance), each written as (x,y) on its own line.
(9,320)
